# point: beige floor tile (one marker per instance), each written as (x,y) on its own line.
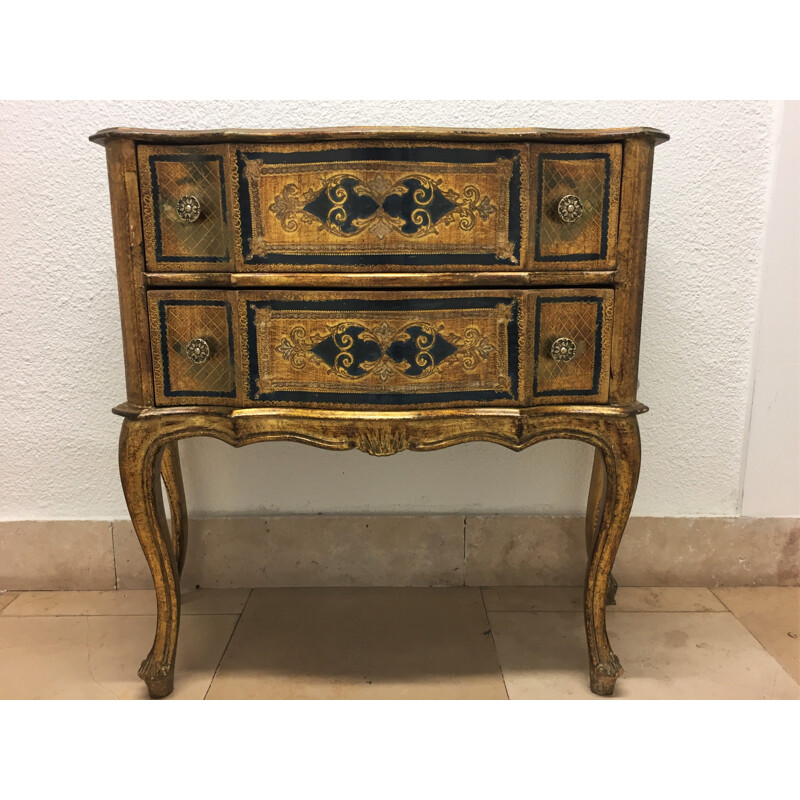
(114,603)
(533,598)
(629,598)
(6,598)
(352,643)
(82,658)
(772,615)
(666,655)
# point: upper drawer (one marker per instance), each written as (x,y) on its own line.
(331,207)
(380,207)
(185,208)
(576,194)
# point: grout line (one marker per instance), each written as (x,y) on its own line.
(609,613)
(494,644)
(464,556)
(148,614)
(710,589)
(8,605)
(233,633)
(114,555)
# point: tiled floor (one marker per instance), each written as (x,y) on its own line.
(464,643)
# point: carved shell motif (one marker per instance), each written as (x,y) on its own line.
(380,441)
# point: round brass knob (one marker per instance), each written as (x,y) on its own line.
(569,208)
(188,208)
(198,351)
(563,349)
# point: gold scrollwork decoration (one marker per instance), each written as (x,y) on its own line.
(415,350)
(472,348)
(294,349)
(347,205)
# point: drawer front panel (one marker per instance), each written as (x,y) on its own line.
(194,346)
(384,349)
(381,349)
(345,207)
(571,345)
(185,208)
(577,205)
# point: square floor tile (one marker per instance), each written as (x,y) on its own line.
(371,643)
(120,603)
(666,655)
(772,615)
(85,658)
(629,598)
(6,598)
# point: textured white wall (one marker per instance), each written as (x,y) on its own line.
(61,359)
(772,476)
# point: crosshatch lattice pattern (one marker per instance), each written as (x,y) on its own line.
(174,324)
(205,238)
(587,321)
(587,235)
(166,177)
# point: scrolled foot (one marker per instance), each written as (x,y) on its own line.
(611,591)
(603,677)
(160,678)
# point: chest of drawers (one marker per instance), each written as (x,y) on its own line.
(384,289)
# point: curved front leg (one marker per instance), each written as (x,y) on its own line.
(173,480)
(140,459)
(594,507)
(621,453)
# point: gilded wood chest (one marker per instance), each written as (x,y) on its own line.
(384,289)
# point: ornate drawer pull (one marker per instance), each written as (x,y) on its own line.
(198,351)
(188,208)
(563,349)
(569,208)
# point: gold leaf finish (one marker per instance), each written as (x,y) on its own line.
(185,208)
(351,206)
(381,441)
(344,289)
(354,346)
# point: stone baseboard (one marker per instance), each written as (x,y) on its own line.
(56,554)
(440,550)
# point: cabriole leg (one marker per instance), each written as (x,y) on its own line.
(140,459)
(597,492)
(173,480)
(622,456)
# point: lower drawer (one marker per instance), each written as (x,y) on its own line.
(384,349)
(380,349)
